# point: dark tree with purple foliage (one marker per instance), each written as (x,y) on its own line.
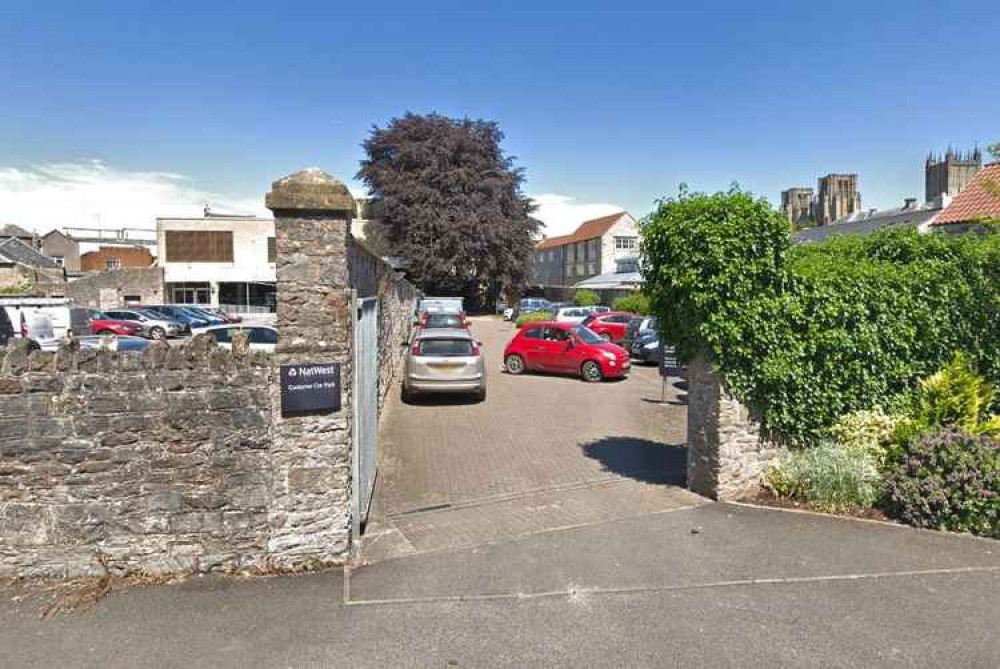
(453,205)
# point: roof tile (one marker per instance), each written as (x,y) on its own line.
(979,199)
(587,230)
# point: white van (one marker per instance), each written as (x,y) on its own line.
(44,320)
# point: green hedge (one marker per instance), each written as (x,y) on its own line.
(533,317)
(586,298)
(804,335)
(636,304)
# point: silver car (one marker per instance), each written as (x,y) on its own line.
(152,324)
(444,361)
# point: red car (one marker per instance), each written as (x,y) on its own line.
(564,348)
(609,326)
(101,324)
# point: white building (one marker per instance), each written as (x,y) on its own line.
(217,260)
(597,247)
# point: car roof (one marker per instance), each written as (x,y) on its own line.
(226,326)
(554,324)
(444,333)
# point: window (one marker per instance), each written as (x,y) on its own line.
(533,333)
(445,348)
(223,335)
(592,268)
(272,249)
(113,262)
(555,334)
(263,336)
(552,255)
(579,269)
(626,243)
(199,246)
(132,299)
(628,265)
(59,260)
(570,253)
(594,249)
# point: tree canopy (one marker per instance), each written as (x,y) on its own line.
(453,205)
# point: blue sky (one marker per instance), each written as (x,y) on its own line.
(603,103)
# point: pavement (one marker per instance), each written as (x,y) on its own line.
(717,585)
(556,536)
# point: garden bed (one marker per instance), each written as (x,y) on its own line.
(765,497)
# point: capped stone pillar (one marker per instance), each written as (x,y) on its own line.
(310,516)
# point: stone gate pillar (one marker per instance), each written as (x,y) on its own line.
(311,486)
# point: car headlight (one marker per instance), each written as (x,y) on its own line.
(609,355)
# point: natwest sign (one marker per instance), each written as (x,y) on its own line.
(310,388)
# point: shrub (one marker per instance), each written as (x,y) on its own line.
(533,316)
(807,334)
(586,298)
(948,480)
(637,303)
(828,476)
(871,432)
(956,396)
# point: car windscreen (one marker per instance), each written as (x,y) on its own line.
(444,321)
(586,335)
(446,348)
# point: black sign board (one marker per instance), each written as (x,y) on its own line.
(310,388)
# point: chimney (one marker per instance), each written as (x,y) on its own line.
(910,203)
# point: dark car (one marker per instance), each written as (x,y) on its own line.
(6,329)
(179,314)
(646,347)
(434,321)
(639,327)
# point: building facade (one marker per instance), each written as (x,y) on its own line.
(797,205)
(596,247)
(837,197)
(63,249)
(221,261)
(109,258)
(950,173)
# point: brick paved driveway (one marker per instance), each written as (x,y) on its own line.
(543,452)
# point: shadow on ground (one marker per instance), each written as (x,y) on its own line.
(640,459)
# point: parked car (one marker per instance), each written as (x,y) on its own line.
(600,309)
(43,320)
(439,320)
(508,313)
(226,316)
(444,361)
(261,337)
(609,326)
(99,323)
(113,342)
(637,328)
(646,347)
(575,315)
(152,324)
(564,348)
(530,305)
(440,304)
(179,314)
(6,328)
(201,312)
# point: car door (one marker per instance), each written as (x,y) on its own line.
(533,347)
(562,354)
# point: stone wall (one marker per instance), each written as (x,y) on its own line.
(726,453)
(104,290)
(156,461)
(397,302)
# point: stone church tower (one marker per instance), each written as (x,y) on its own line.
(949,174)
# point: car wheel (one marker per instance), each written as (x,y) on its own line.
(514,364)
(605,336)
(157,333)
(591,372)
